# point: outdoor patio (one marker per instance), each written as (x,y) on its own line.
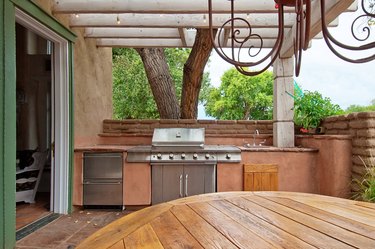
(67,231)
(273,187)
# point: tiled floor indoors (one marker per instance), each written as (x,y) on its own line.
(69,230)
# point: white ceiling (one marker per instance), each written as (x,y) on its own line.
(172,23)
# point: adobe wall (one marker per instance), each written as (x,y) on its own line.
(361,126)
(220,127)
(92,83)
(333,162)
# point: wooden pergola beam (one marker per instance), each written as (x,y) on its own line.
(162,6)
(144,33)
(170,43)
(173,21)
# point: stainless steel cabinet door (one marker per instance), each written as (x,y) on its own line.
(167,183)
(170,182)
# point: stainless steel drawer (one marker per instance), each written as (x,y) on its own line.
(102,165)
(102,193)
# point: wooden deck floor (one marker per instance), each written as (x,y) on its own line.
(244,220)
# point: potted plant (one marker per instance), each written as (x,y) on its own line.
(310,108)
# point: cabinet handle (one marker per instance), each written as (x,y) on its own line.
(186,185)
(181,186)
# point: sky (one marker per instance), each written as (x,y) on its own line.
(344,83)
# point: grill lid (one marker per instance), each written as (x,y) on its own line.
(169,137)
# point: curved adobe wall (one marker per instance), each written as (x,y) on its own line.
(361,127)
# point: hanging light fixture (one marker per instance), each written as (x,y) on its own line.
(302,9)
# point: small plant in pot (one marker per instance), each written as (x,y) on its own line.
(310,108)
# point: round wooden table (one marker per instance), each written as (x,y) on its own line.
(244,220)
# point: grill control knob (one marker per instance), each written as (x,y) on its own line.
(171,156)
(159,156)
(183,156)
(228,156)
(207,156)
(195,156)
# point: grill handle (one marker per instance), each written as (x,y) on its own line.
(186,185)
(181,186)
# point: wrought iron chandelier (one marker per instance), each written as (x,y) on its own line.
(303,11)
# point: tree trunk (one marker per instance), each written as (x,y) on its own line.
(193,73)
(160,81)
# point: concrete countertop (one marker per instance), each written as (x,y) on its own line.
(276,149)
(124,148)
(103,148)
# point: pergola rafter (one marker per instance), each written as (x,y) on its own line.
(170,23)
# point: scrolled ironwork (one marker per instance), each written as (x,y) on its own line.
(331,41)
(234,58)
(301,38)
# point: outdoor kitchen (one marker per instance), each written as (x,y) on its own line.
(164,160)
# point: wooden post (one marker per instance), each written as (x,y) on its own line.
(283,103)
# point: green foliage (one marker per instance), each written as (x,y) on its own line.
(241,97)
(366,186)
(310,108)
(132,96)
(359,108)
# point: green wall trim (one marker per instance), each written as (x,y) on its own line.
(35,11)
(7,126)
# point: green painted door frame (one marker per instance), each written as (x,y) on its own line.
(8,108)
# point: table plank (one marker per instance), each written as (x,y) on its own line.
(244,220)
(307,234)
(317,224)
(143,238)
(202,231)
(119,229)
(118,245)
(343,211)
(234,231)
(366,205)
(332,218)
(172,234)
(270,233)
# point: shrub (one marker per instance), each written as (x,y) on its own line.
(366,186)
(310,108)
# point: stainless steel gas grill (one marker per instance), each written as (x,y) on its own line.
(182,165)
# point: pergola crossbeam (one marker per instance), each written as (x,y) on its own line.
(162,6)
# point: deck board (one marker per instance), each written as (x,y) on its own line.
(244,220)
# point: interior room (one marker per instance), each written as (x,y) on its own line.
(34,126)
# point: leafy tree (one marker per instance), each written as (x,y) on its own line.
(132,95)
(359,108)
(241,97)
(311,107)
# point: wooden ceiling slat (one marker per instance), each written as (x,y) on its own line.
(176,21)
(162,6)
